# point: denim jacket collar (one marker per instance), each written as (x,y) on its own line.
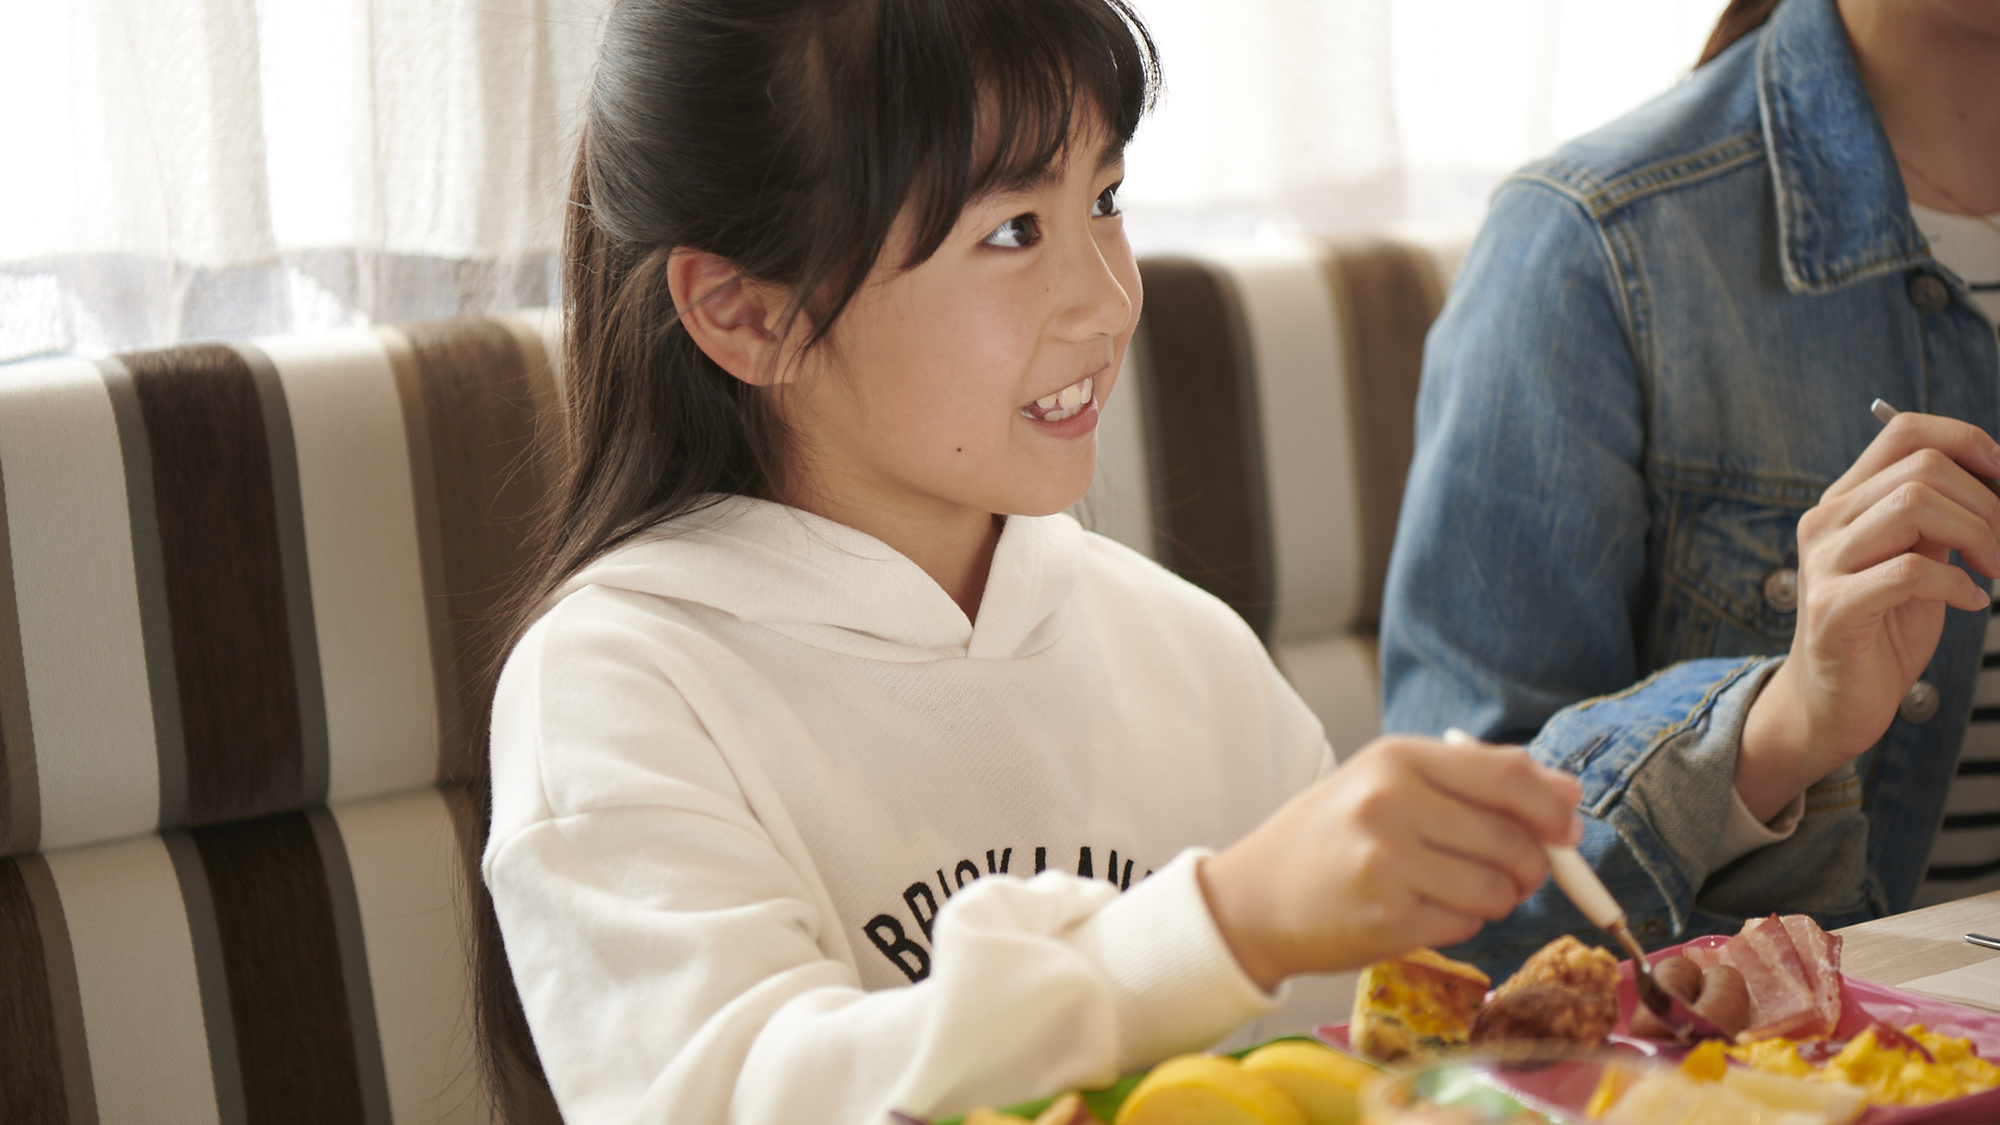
(1842,212)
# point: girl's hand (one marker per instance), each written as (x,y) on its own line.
(1874,581)
(1412,842)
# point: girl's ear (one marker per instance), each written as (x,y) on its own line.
(733,319)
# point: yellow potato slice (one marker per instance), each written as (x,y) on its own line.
(1612,1085)
(1836,1102)
(1321,1081)
(1206,1090)
(1066,1110)
(1664,1097)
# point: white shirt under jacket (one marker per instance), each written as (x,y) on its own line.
(766,806)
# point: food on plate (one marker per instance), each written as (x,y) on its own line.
(1716,994)
(1791,975)
(1832,1101)
(1285,1082)
(1724,999)
(1668,1097)
(1207,1090)
(1613,1083)
(1913,1066)
(1066,1110)
(1321,1081)
(1566,991)
(1679,976)
(1420,1001)
(1473,1089)
(1424,1001)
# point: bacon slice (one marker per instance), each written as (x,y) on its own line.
(1781,994)
(1820,953)
(1707,956)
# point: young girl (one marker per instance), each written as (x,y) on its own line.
(833,770)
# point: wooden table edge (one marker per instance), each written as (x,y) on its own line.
(1904,947)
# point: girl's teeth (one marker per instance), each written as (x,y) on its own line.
(1067,402)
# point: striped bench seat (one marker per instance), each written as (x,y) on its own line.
(241,599)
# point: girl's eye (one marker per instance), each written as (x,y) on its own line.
(1016,233)
(1106,203)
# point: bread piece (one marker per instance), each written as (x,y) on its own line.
(1417,1002)
(1567,991)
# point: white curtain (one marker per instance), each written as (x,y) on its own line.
(1333,115)
(190,169)
(184,169)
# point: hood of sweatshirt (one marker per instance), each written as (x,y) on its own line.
(828,585)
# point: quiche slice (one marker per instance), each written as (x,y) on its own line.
(1418,1002)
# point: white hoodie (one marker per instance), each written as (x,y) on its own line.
(765,803)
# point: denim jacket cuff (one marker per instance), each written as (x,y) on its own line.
(1658,766)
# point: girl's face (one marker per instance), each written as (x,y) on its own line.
(970,385)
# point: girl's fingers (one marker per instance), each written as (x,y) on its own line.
(1506,780)
(1962,442)
(1473,833)
(1437,926)
(1462,885)
(1896,582)
(1914,513)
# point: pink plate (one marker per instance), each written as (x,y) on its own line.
(1863,1002)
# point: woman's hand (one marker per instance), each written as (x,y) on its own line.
(1412,842)
(1874,579)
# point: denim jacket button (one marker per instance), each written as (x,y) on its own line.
(1929,293)
(1781,589)
(1919,703)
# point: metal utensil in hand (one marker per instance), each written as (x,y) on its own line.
(1588,892)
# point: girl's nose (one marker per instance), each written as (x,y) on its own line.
(1096,302)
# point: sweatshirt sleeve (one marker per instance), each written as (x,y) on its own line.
(675,965)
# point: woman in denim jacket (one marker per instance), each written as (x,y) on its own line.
(1659,357)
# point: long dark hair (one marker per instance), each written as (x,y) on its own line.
(786,136)
(1740,18)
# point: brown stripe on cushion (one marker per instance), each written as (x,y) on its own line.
(346,905)
(281,956)
(65,999)
(219,542)
(424,499)
(149,577)
(475,407)
(204,935)
(1386,296)
(1204,440)
(37,981)
(291,527)
(20,795)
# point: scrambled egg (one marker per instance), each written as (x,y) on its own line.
(1892,1075)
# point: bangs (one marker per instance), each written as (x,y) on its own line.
(935,103)
(1037,77)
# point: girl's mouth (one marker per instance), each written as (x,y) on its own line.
(1065,403)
